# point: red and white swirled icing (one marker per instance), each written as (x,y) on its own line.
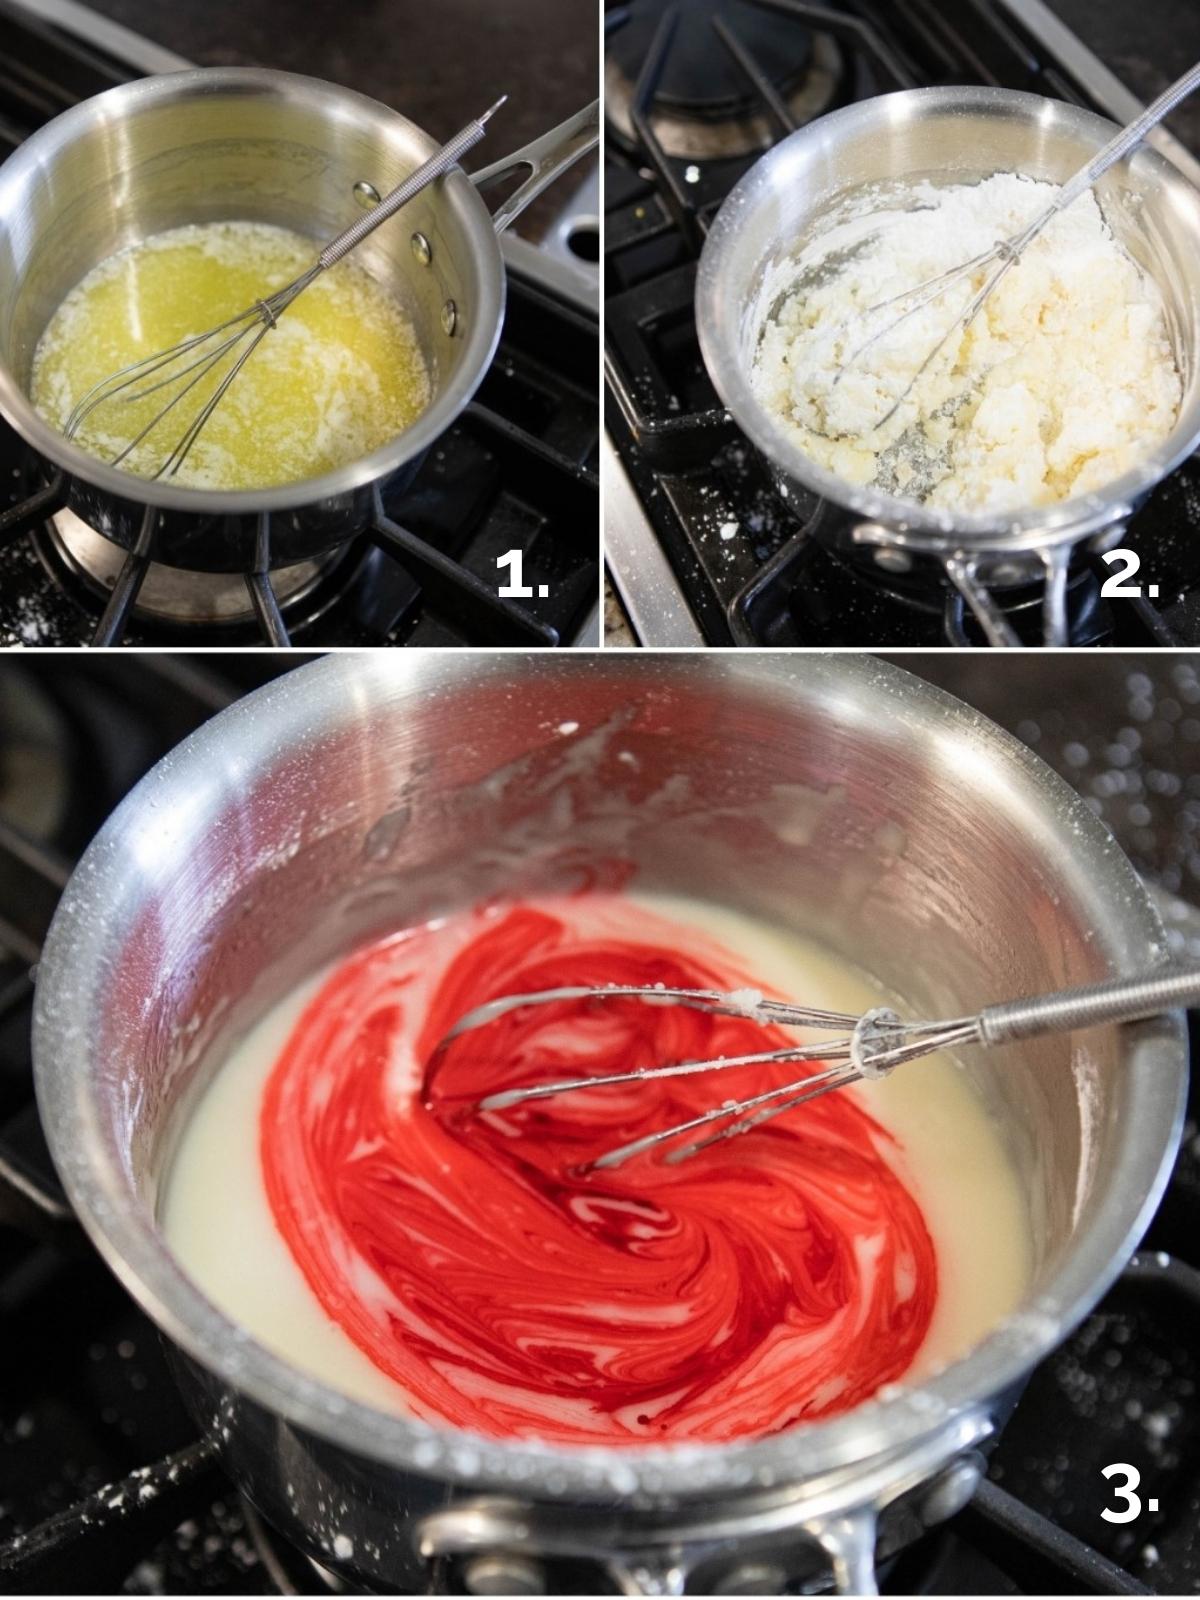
(781,1276)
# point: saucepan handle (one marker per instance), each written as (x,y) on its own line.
(964,575)
(545,158)
(1091,1005)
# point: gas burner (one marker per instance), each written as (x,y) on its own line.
(706,106)
(823,592)
(920,582)
(170,594)
(88,576)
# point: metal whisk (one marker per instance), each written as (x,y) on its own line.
(196,358)
(873,1044)
(1005,253)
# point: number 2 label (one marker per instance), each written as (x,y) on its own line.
(1128,564)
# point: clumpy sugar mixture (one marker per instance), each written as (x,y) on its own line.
(339,1193)
(1064,380)
(340,374)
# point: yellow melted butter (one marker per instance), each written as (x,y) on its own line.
(339,375)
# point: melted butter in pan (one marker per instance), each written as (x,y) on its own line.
(340,375)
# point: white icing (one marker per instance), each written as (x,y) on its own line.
(217,1219)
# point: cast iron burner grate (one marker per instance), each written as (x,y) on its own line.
(103,1484)
(519,470)
(749,563)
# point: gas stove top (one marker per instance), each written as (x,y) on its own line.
(701,547)
(517,471)
(103,1484)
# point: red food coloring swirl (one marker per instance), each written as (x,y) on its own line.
(779,1276)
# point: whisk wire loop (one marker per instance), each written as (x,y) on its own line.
(179,454)
(719,1002)
(505,1098)
(205,364)
(877,1043)
(809,1088)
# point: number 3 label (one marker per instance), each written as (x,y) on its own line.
(1124,1491)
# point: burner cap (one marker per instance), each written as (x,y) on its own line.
(170,594)
(700,77)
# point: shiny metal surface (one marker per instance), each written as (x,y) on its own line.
(638,565)
(572,239)
(946,135)
(541,160)
(1069,1010)
(573,280)
(697,138)
(405,192)
(213,143)
(833,794)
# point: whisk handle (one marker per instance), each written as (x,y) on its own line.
(1128,139)
(410,187)
(1115,1000)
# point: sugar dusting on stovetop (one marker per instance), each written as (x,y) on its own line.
(740,514)
(35,612)
(1121,1388)
(201,1554)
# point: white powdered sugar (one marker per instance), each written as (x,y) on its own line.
(1063,382)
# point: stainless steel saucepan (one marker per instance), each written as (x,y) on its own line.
(949,135)
(833,795)
(215,143)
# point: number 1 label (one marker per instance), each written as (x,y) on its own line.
(518,589)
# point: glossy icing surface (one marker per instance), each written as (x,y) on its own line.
(462,1267)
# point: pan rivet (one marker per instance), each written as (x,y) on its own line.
(752,1577)
(422,249)
(501,1574)
(951,1489)
(366,194)
(891,559)
(449,317)
(1007,572)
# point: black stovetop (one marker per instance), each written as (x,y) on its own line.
(757,569)
(517,471)
(85,1395)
